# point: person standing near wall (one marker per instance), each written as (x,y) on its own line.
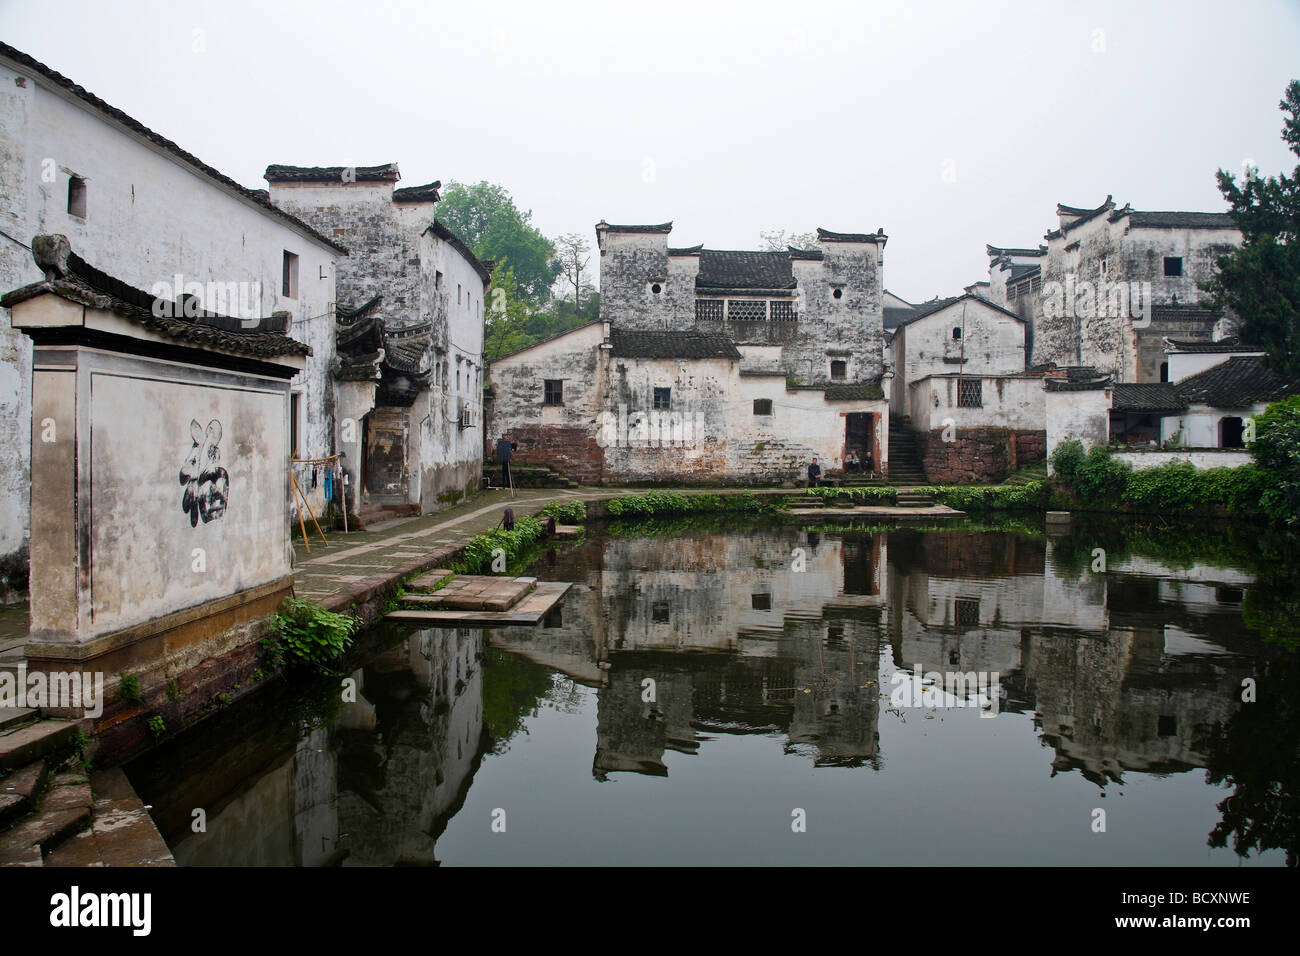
(505,448)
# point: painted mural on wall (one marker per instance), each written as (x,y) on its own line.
(206,482)
(146,560)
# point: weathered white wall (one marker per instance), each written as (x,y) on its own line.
(1008,402)
(1199,424)
(149,216)
(1185,364)
(1084,415)
(992,343)
(1201,458)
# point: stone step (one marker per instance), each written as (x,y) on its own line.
(41,831)
(30,742)
(19,790)
(11,718)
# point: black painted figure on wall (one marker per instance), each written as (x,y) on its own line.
(206,482)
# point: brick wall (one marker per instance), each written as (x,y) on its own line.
(571,450)
(979,455)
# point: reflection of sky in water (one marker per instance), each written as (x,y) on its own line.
(772,692)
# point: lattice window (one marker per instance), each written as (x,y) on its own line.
(708,310)
(839,369)
(782,311)
(746,310)
(663,399)
(970,393)
(762,406)
(966,611)
(552,391)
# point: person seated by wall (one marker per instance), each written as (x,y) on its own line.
(852,463)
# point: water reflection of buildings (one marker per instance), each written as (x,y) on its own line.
(1125,670)
(373,784)
(733,638)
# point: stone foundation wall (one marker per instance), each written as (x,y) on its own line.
(571,450)
(979,455)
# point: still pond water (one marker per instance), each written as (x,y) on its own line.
(944,696)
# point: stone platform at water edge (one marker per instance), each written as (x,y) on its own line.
(441,597)
(876,511)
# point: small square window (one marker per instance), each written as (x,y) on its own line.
(553,391)
(663,399)
(1173,265)
(1167,725)
(956,333)
(762,406)
(966,611)
(761,602)
(289,287)
(839,368)
(659,612)
(77,197)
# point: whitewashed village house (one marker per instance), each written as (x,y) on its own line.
(962,392)
(708,365)
(410,336)
(1112,283)
(141,209)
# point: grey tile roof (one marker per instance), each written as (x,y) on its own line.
(658,345)
(825,235)
(1223,345)
(429,192)
(662,227)
(1019,272)
(929,308)
(277,173)
(69,276)
(722,269)
(861,391)
(1240,381)
(1146,397)
(1079,385)
(1181,220)
(896,315)
(162,142)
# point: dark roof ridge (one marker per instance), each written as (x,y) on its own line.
(69,276)
(484,269)
(283,173)
(162,142)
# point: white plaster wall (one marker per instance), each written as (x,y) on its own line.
(1084,415)
(992,343)
(1185,364)
(1201,459)
(1008,403)
(149,217)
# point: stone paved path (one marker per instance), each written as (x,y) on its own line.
(360,555)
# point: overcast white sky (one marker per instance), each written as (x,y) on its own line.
(725,117)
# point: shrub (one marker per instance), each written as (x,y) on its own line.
(569,512)
(1066,460)
(1276,449)
(306,633)
(515,543)
(673,502)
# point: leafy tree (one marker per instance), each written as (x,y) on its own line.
(486,218)
(506,316)
(1260,280)
(1277,450)
(777,240)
